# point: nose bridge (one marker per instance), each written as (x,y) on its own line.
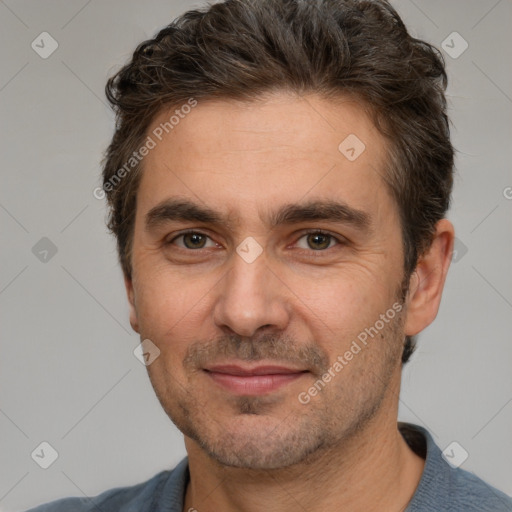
(250,296)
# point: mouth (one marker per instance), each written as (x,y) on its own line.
(258,380)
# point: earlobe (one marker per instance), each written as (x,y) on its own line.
(128,283)
(427,281)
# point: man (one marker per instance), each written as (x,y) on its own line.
(278,183)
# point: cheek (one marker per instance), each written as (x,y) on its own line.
(163,302)
(339,308)
(351,284)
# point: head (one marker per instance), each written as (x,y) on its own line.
(255,125)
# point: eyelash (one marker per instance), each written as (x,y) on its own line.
(310,252)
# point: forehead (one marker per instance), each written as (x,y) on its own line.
(243,156)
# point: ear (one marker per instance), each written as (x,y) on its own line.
(427,280)
(128,283)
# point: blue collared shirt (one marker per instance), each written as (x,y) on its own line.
(442,488)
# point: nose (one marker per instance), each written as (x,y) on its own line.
(251,297)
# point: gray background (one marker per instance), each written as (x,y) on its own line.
(68,375)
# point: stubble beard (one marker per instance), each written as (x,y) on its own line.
(259,437)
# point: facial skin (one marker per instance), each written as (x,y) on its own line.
(300,304)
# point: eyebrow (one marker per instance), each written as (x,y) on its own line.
(177,209)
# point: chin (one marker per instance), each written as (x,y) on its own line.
(258,442)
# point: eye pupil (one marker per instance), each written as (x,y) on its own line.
(319,238)
(196,240)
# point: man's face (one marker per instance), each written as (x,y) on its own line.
(250,312)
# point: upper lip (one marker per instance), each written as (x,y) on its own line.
(234,369)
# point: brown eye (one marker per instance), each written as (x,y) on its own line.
(192,240)
(317,241)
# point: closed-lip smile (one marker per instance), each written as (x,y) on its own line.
(255,380)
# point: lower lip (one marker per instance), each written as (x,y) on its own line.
(253,384)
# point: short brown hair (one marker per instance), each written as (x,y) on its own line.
(241,49)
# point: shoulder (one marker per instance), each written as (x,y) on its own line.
(472,493)
(110,500)
(448,488)
(140,497)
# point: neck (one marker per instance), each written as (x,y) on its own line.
(373,470)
